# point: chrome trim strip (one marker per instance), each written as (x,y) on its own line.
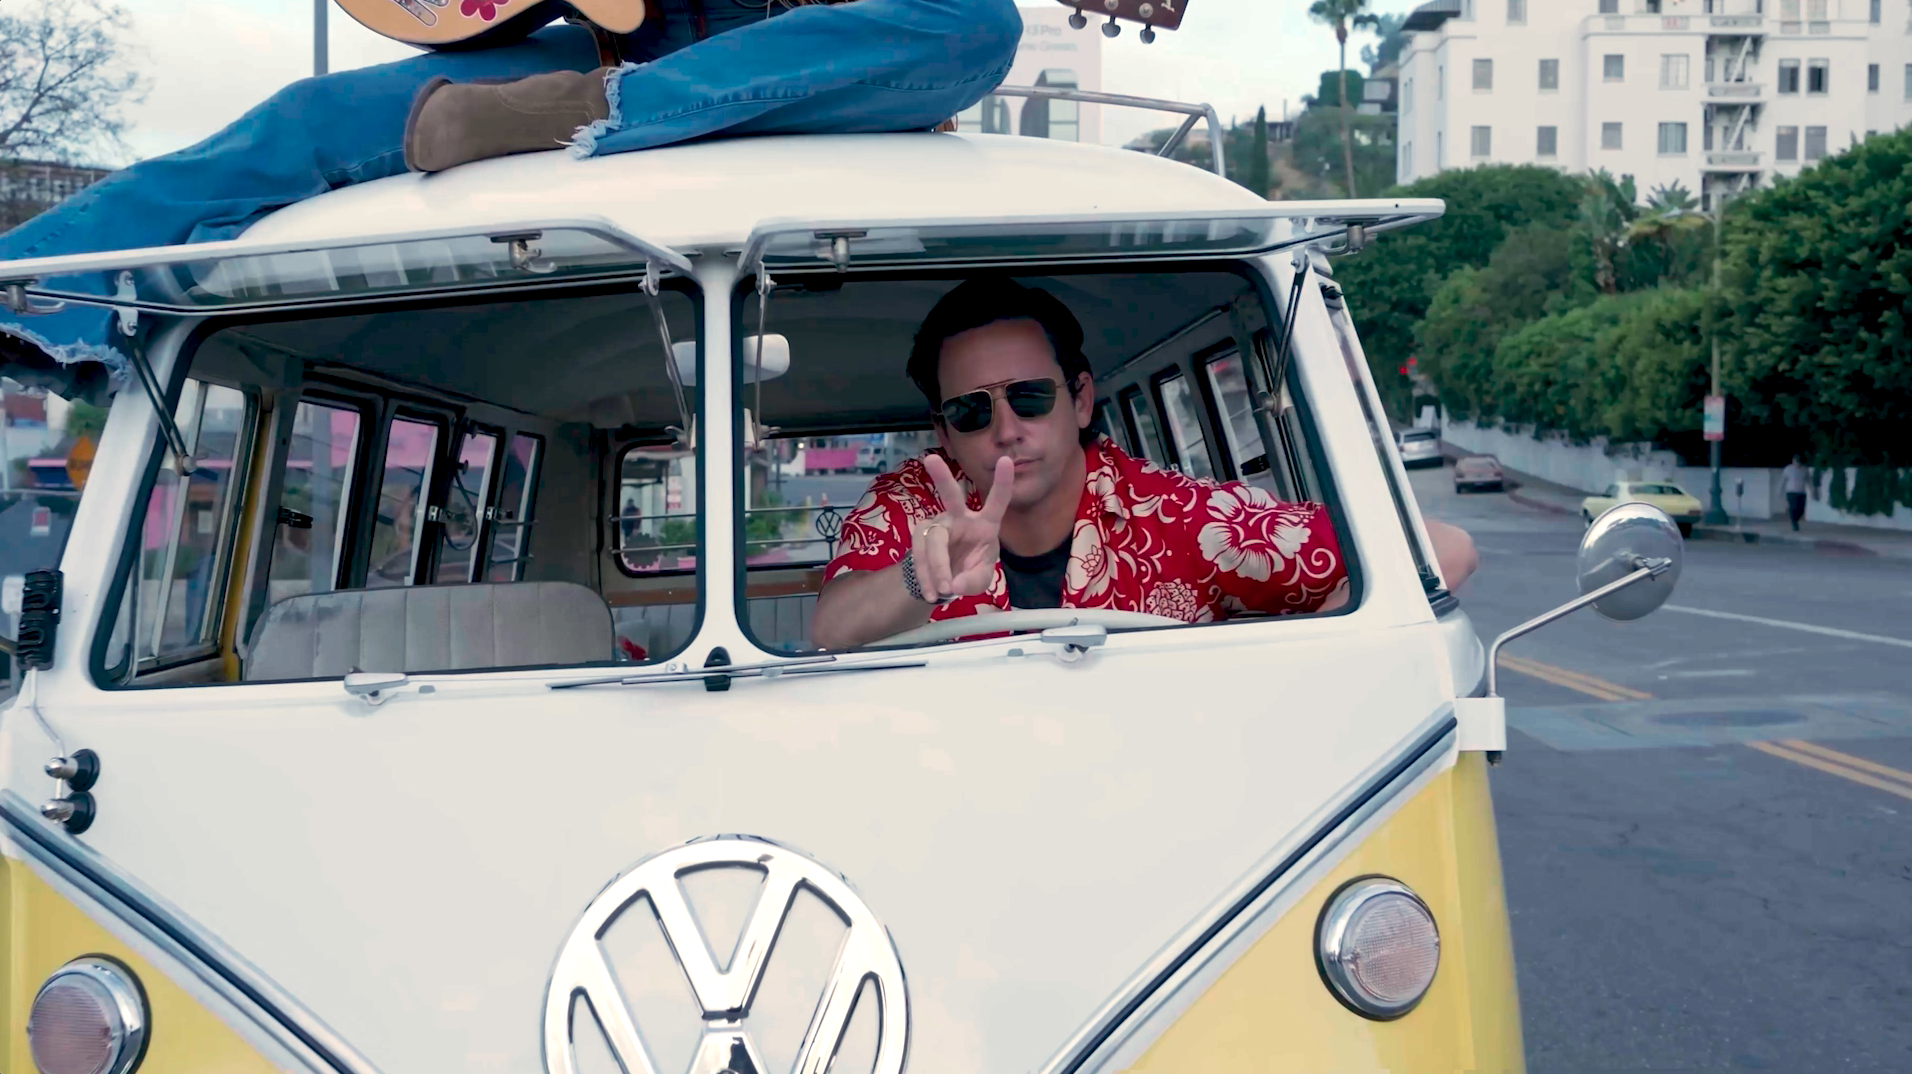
(1153,990)
(237,980)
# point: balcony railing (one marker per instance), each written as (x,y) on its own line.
(1732,159)
(1735,90)
(1755,23)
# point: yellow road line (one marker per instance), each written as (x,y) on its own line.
(1572,680)
(1847,759)
(1828,767)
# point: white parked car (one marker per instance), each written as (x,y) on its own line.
(1419,447)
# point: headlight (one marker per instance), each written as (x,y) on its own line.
(1377,947)
(89,1018)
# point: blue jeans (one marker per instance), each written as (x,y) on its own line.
(872,65)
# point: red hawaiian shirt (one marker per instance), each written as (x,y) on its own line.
(1146,540)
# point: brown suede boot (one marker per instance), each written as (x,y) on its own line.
(456,123)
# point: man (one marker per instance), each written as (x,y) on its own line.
(698,68)
(1794,477)
(1025,506)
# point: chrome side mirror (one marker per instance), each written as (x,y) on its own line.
(1623,539)
(1629,562)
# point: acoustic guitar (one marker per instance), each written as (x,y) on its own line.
(444,24)
(1152,14)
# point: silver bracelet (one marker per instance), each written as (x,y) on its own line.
(914,585)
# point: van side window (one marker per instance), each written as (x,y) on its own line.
(1141,424)
(411,451)
(511,521)
(460,554)
(1246,452)
(1105,423)
(320,465)
(189,525)
(1184,425)
(656,509)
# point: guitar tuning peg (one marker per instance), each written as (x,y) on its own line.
(1077,21)
(1111,28)
(1148,35)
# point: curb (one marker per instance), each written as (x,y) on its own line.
(1809,544)
(1541,505)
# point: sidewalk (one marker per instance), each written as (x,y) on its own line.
(1812,536)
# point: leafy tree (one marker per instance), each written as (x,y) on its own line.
(1328,93)
(1820,273)
(1670,239)
(65,75)
(1317,151)
(1529,275)
(1388,50)
(1255,170)
(1344,15)
(1390,286)
(1607,212)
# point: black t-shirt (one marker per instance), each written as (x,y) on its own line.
(1035,581)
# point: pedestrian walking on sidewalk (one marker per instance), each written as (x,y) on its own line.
(1794,477)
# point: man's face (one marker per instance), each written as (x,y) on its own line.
(1047,450)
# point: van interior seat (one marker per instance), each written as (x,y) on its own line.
(660,630)
(430,628)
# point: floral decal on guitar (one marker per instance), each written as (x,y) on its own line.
(484,9)
(1145,539)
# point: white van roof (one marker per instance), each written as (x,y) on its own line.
(713,194)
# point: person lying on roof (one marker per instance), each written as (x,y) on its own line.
(693,69)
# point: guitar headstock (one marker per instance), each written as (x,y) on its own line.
(1152,14)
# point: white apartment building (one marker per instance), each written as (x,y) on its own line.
(1719,95)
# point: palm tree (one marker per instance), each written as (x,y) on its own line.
(1343,14)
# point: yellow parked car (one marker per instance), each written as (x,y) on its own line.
(1679,504)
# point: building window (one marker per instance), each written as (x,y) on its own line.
(1872,78)
(1653,7)
(1786,146)
(1876,13)
(1440,150)
(1483,142)
(1789,76)
(1517,12)
(1440,83)
(1550,75)
(1908,81)
(1609,7)
(1615,68)
(1407,95)
(1609,136)
(1815,143)
(1483,75)
(1673,71)
(1818,74)
(1547,143)
(1672,139)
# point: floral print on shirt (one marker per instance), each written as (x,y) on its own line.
(1146,540)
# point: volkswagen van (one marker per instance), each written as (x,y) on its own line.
(426,682)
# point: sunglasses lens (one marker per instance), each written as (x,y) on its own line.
(968,413)
(1031,398)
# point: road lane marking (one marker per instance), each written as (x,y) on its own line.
(1572,680)
(1840,770)
(1828,754)
(1831,632)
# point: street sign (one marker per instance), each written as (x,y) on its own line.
(1714,424)
(79,461)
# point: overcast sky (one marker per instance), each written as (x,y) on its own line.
(210,60)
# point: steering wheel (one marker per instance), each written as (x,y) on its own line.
(1023,619)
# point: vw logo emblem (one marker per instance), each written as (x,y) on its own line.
(866,957)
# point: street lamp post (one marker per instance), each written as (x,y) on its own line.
(1715,513)
(318,36)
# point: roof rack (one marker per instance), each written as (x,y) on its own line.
(1194,112)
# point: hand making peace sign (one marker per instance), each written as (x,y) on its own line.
(955,553)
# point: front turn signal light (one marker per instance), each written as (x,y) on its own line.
(89,1017)
(1377,947)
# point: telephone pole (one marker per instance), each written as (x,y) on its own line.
(319,36)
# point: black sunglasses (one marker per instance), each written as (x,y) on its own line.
(972,412)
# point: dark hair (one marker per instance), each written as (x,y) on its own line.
(984,301)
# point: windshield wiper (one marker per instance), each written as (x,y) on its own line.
(773,669)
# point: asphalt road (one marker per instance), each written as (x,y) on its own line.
(1705,815)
